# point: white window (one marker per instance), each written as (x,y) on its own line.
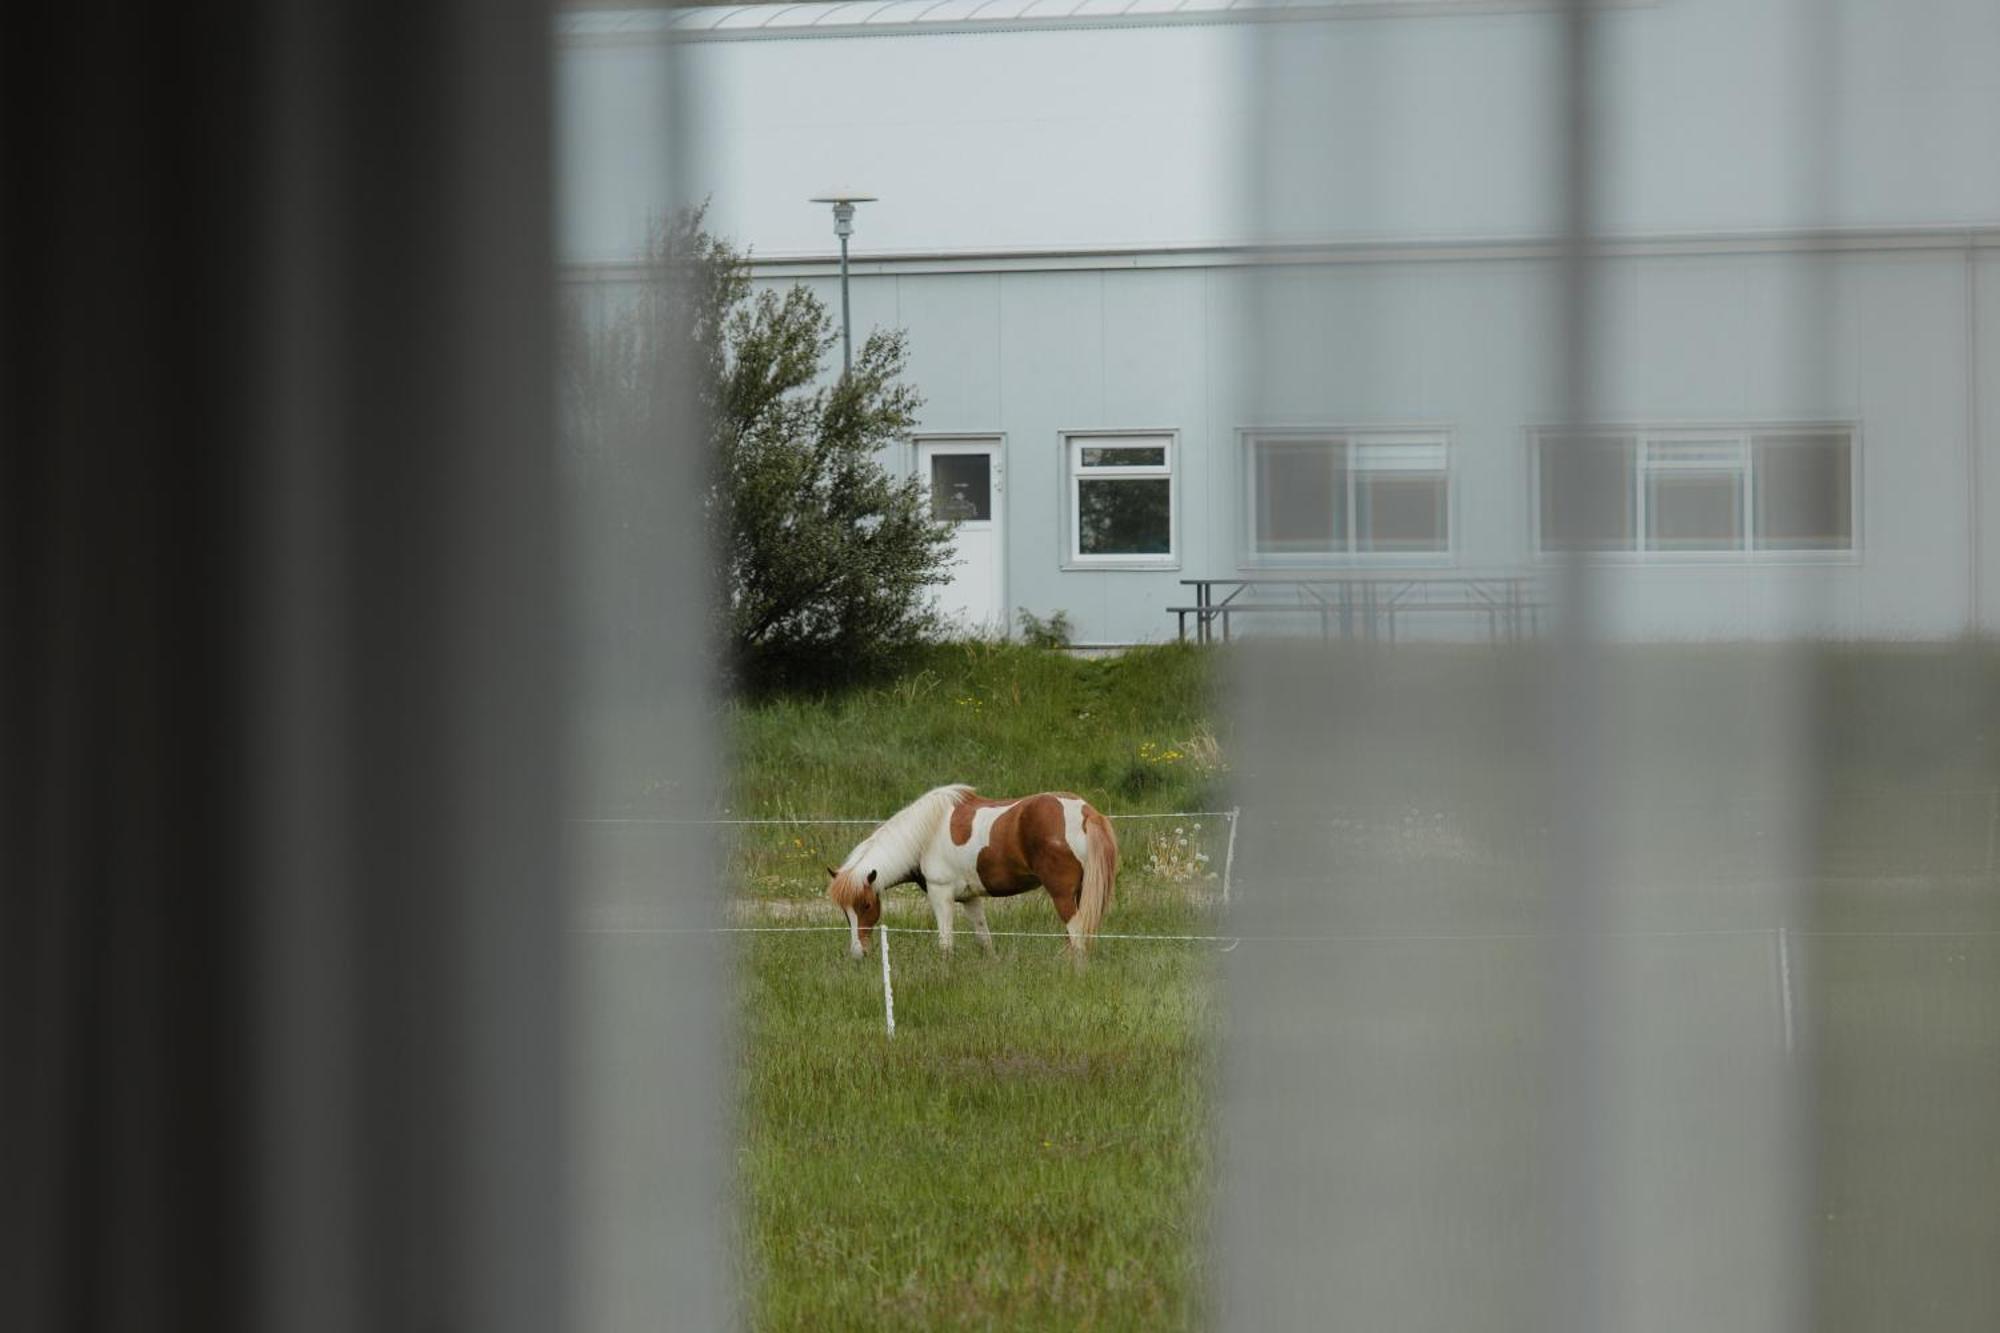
(1669,491)
(1341,493)
(1121,499)
(1694,494)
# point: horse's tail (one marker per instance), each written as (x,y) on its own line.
(1100,870)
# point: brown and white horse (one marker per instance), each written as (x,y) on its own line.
(959,847)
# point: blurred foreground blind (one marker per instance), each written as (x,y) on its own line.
(1641,976)
(287,986)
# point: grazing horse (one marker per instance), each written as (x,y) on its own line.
(959,847)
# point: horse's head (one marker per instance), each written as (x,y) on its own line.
(855,894)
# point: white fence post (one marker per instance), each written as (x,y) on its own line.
(1229,854)
(888,988)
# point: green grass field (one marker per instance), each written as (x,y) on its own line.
(1030,1150)
(1034,1149)
(1027,1152)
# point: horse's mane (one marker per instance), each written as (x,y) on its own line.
(898,845)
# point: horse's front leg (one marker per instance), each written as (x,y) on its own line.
(941,896)
(976,909)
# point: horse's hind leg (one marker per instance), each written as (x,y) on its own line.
(1065,886)
(976,909)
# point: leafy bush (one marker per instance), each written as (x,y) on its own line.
(824,557)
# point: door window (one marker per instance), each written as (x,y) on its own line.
(962,487)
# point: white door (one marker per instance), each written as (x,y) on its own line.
(965,484)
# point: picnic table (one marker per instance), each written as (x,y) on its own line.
(1365,605)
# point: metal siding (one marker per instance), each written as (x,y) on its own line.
(1690,340)
(1420,128)
(1910,381)
(1985,359)
(611,160)
(954,329)
(993,140)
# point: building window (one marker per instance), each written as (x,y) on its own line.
(1587,493)
(1672,492)
(1694,495)
(1121,499)
(1805,491)
(1342,494)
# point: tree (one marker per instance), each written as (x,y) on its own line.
(824,556)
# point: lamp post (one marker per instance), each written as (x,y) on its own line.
(843,227)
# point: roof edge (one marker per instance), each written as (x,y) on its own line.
(592,25)
(1947,237)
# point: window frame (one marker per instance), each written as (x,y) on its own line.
(1650,469)
(1072,474)
(1353,439)
(1745,436)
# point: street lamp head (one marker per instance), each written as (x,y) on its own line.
(843,209)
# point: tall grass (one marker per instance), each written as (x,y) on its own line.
(1005,718)
(1028,1152)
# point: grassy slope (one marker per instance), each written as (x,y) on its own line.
(1028,1151)
(1004,718)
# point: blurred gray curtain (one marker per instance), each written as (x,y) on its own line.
(1628,979)
(279,956)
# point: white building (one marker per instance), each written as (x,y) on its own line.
(1213,290)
